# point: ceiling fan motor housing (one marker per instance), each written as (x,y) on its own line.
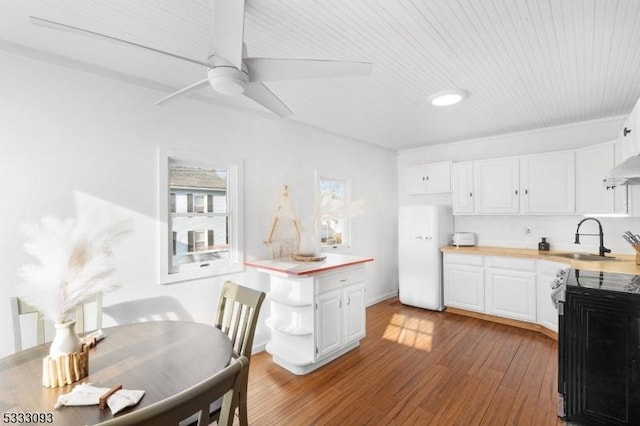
(227,79)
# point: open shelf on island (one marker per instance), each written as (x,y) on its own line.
(287,327)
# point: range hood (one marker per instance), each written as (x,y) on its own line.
(625,173)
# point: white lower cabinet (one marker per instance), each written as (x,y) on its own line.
(510,288)
(547,314)
(315,319)
(507,287)
(339,319)
(464,282)
(354,314)
(329,322)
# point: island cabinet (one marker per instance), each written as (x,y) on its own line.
(317,310)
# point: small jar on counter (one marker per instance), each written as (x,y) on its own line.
(543,245)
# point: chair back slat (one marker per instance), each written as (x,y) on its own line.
(193,401)
(20,308)
(237,316)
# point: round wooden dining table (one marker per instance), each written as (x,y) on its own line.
(162,358)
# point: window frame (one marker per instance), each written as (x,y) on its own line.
(235,214)
(345,245)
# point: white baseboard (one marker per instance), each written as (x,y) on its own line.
(382,298)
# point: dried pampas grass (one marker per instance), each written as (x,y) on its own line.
(75,263)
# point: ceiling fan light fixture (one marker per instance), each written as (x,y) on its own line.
(227,80)
(447,97)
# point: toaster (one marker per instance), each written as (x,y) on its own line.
(464,239)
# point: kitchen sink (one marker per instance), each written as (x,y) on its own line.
(585,256)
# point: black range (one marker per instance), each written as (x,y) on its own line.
(598,347)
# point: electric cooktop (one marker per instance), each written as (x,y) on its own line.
(623,283)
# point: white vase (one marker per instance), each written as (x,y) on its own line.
(309,243)
(66,340)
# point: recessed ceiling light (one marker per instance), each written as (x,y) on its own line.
(447,97)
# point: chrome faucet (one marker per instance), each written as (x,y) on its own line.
(602,249)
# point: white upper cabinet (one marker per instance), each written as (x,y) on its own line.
(427,178)
(496,188)
(629,136)
(547,183)
(592,165)
(462,187)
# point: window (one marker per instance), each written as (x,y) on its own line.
(200,216)
(334,196)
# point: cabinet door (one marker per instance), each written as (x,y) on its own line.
(414,179)
(621,192)
(592,165)
(511,294)
(628,137)
(462,187)
(464,287)
(427,178)
(328,323)
(438,177)
(496,186)
(354,313)
(546,312)
(547,183)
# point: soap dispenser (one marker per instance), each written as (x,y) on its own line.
(543,245)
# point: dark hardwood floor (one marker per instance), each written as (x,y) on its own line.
(417,367)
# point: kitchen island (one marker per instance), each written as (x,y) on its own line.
(317,309)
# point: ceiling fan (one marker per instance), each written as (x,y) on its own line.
(229,70)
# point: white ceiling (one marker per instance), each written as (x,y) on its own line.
(526,64)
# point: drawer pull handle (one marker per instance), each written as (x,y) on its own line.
(343,280)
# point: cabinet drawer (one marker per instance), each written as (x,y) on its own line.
(511,263)
(463,259)
(550,268)
(340,279)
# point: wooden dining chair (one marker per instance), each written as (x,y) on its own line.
(192,401)
(20,308)
(237,317)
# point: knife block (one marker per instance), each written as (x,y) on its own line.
(637,249)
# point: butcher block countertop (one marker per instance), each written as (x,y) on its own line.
(624,263)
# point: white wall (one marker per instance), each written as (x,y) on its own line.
(509,230)
(71,140)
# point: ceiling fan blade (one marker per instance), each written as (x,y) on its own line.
(271,69)
(64,27)
(184,92)
(228,30)
(259,93)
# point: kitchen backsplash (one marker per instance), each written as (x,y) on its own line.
(511,231)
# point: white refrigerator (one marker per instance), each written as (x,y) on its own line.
(423,230)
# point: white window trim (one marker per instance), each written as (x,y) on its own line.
(235,263)
(345,247)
